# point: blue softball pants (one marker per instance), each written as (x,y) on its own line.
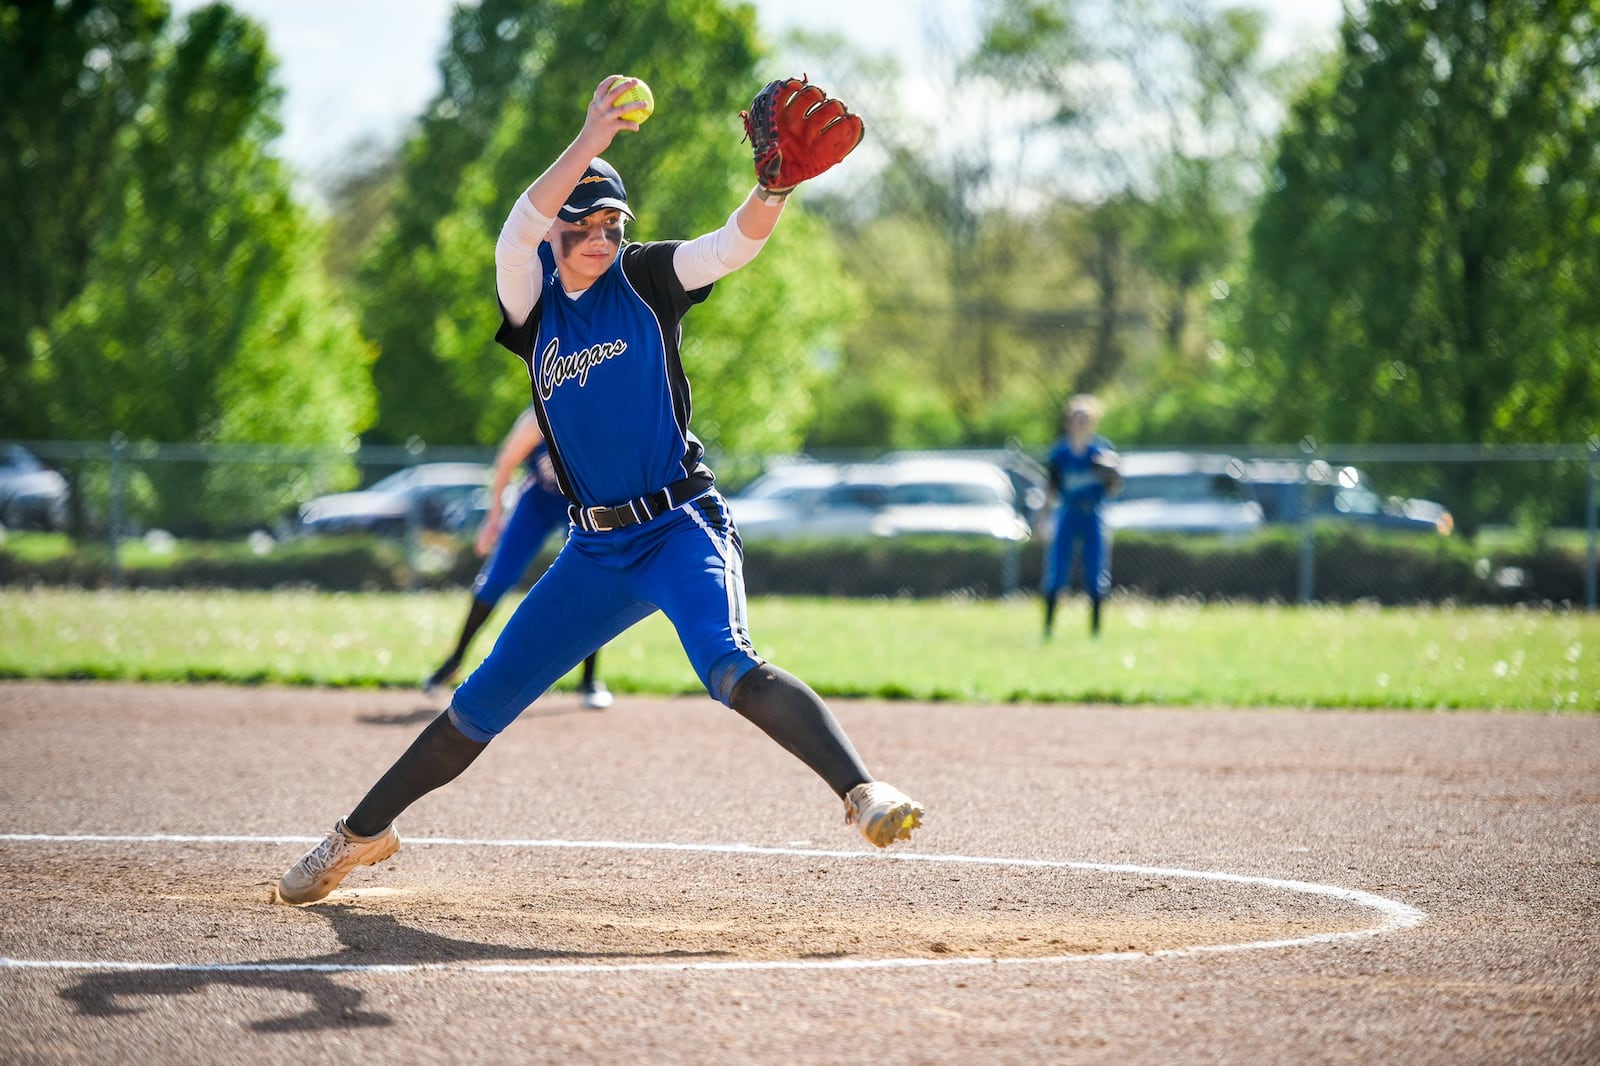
(536,513)
(1079,529)
(687,563)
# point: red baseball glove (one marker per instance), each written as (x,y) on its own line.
(797,131)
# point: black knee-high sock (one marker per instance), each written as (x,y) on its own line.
(589,668)
(435,758)
(1094,616)
(785,708)
(477,614)
(1049,612)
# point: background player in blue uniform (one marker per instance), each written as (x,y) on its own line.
(1083,471)
(511,546)
(598,322)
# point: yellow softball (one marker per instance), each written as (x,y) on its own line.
(640,94)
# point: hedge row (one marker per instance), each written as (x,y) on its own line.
(1348,567)
(337,565)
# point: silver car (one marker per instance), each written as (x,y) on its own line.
(1182,492)
(427,492)
(32,496)
(900,497)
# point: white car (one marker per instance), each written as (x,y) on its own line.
(964,497)
(1182,492)
(782,496)
(903,497)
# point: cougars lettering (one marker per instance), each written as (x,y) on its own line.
(556,370)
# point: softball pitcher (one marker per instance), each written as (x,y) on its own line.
(598,321)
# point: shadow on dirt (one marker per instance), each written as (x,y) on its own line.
(545,707)
(420,716)
(369,941)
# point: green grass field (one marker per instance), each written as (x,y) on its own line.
(1166,653)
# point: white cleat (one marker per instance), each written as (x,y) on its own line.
(440,686)
(438,690)
(596,697)
(321,869)
(882,812)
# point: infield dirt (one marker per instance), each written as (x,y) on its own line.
(638,940)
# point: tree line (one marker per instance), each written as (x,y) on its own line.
(1392,241)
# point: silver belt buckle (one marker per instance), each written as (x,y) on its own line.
(593,515)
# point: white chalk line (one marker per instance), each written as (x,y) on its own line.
(1395,914)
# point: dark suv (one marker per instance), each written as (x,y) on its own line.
(425,493)
(1290,491)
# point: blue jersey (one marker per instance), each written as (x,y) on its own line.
(541,472)
(540,509)
(613,402)
(1075,475)
(608,381)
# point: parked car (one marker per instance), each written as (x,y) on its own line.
(385,508)
(965,497)
(900,497)
(1288,491)
(1182,492)
(1030,480)
(32,496)
(789,481)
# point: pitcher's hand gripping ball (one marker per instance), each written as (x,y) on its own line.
(641,95)
(797,131)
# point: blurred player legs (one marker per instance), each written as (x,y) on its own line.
(540,508)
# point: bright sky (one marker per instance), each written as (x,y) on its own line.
(363,68)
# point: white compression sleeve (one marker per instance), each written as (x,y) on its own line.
(713,256)
(516,259)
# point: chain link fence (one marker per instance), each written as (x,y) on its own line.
(1296,523)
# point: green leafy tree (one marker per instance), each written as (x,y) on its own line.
(360,194)
(948,357)
(749,350)
(204,314)
(1158,214)
(72,75)
(1049,251)
(1194,222)
(1424,264)
(943,243)
(490,46)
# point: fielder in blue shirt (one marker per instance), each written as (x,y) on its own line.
(598,321)
(510,545)
(1083,472)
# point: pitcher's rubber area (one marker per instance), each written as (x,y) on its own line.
(660,883)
